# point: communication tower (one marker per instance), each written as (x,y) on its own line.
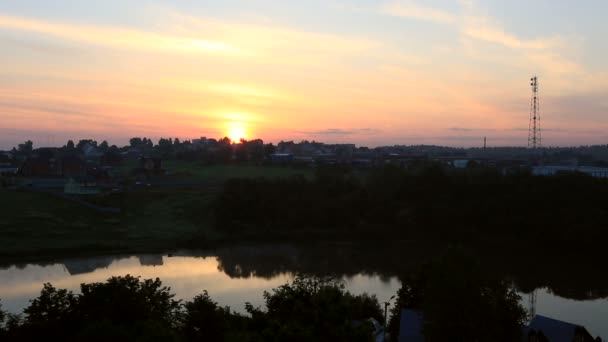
(534,132)
(532,304)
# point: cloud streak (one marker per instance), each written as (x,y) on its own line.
(122,37)
(340,131)
(409,9)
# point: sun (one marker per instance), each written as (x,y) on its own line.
(236,131)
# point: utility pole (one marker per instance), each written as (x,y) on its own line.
(386,304)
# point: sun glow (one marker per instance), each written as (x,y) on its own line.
(236,131)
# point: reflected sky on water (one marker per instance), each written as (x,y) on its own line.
(189,276)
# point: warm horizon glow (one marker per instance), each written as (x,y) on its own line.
(444,72)
(236,132)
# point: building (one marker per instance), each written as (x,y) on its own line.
(599,172)
(72,166)
(8,171)
(41,167)
(543,329)
(81,186)
(281,158)
(411,324)
(149,167)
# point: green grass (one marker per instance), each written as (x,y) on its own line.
(151,219)
(40,225)
(192,170)
(32,222)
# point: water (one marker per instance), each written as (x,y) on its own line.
(231,283)
(187,276)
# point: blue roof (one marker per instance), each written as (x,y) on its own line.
(554,330)
(410,326)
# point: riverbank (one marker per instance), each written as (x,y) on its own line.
(41,225)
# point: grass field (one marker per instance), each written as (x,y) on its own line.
(224,172)
(151,219)
(195,170)
(38,225)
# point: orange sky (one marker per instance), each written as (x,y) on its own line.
(371,73)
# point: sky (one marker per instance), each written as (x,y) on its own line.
(385,72)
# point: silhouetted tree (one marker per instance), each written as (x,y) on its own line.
(224,150)
(84,142)
(315,309)
(241,152)
(460,302)
(204,320)
(135,142)
(26,148)
(255,150)
(269,149)
(104,146)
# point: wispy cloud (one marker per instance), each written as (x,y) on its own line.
(410,9)
(181,33)
(470,129)
(340,131)
(550,53)
(273,44)
(122,37)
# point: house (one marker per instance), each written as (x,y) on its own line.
(153,166)
(148,167)
(325,158)
(281,158)
(41,167)
(8,171)
(72,166)
(598,172)
(547,329)
(411,324)
(92,153)
(81,186)
(132,154)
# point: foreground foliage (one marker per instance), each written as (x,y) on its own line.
(130,309)
(460,302)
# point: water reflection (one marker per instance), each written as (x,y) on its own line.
(187,276)
(234,276)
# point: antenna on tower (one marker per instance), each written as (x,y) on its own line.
(534,132)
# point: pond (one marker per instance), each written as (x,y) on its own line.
(233,284)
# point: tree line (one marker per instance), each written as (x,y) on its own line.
(424,201)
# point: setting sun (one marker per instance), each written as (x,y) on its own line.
(236,131)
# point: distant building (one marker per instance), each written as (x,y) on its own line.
(149,167)
(199,143)
(72,166)
(41,167)
(8,171)
(599,172)
(281,158)
(325,158)
(132,154)
(92,153)
(460,163)
(81,186)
